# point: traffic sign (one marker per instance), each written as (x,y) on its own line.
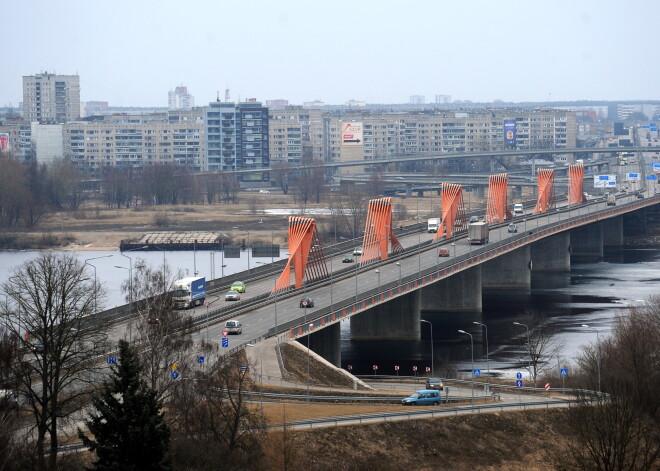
(396,367)
(175,366)
(225,333)
(350,367)
(428,369)
(519,375)
(476,372)
(547,386)
(200,359)
(519,383)
(243,368)
(651,177)
(174,375)
(225,343)
(414,368)
(563,371)
(111,360)
(375,367)
(207,304)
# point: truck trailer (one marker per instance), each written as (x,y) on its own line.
(189,292)
(478,233)
(433,224)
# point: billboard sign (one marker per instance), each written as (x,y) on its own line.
(4,141)
(632,176)
(351,134)
(603,181)
(510,132)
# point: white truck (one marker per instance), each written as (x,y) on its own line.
(478,233)
(432,225)
(189,292)
(518,208)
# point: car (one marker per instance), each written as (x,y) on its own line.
(443,253)
(238,286)
(306,302)
(232,296)
(474,219)
(512,228)
(357,251)
(423,398)
(265,192)
(233,326)
(37,347)
(434,383)
(153,320)
(639,195)
(399,178)
(347,259)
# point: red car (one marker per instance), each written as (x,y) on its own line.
(443,253)
(306,302)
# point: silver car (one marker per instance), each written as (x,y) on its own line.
(513,228)
(233,296)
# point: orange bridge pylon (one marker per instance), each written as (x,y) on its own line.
(453,210)
(378,232)
(546,187)
(305,253)
(576,184)
(497,209)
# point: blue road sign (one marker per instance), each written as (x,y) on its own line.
(225,342)
(200,359)
(651,177)
(519,383)
(243,367)
(174,374)
(111,360)
(563,372)
(476,372)
(519,375)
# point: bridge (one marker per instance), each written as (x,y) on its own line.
(385,298)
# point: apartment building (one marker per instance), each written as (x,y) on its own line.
(296,134)
(180,99)
(136,141)
(51,98)
(237,137)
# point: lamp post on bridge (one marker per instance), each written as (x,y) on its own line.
(529,349)
(95,288)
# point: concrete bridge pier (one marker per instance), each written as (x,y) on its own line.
(509,271)
(552,254)
(587,242)
(613,232)
(480,190)
(325,343)
(397,319)
(517,191)
(458,293)
(408,189)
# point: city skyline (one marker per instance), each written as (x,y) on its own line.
(132,54)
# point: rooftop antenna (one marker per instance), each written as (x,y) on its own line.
(227,94)
(218,98)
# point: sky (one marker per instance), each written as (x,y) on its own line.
(131,53)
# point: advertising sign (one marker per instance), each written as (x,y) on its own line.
(351,134)
(4,141)
(603,181)
(510,132)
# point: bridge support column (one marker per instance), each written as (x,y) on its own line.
(480,190)
(517,191)
(325,343)
(587,243)
(408,189)
(458,293)
(552,254)
(509,271)
(613,232)
(397,319)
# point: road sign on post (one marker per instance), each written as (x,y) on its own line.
(519,375)
(225,342)
(563,371)
(547,386)
(519,383)
(476,372)
(200,359)
(225,333)
(350,367)
(174,375)
(111,360)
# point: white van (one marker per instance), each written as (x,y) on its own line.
(518,208)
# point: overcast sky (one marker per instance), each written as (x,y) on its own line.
(131,53)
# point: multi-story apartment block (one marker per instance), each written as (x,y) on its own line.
(136,141)
(236,137)
(180,99)
(296,134)
(50,98)
(17,136)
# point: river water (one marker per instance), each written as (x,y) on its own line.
(592,294)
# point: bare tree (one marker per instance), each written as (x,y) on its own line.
(65,185)
(282,175)
(540,347)
(163,333)
(50,302)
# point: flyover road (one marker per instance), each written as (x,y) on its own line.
(337,293)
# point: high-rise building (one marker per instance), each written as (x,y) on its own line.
(443,99)
(50,98)
(180,99)
(417,99)
(236,136)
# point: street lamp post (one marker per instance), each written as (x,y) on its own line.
(95,289)
(487,362)
(378,273)
(398,264)
(529,349)
(164,265)
(472,348)
(261,376)
(453,246)
(431,326)
(586,326)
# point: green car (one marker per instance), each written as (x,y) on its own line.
(238,286)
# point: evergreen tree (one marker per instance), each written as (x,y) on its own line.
(129,429)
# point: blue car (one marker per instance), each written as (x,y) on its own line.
(424,397)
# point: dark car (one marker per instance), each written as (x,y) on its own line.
(347,259)
(512,228)
(306,302)
(434,383)
(474,218)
